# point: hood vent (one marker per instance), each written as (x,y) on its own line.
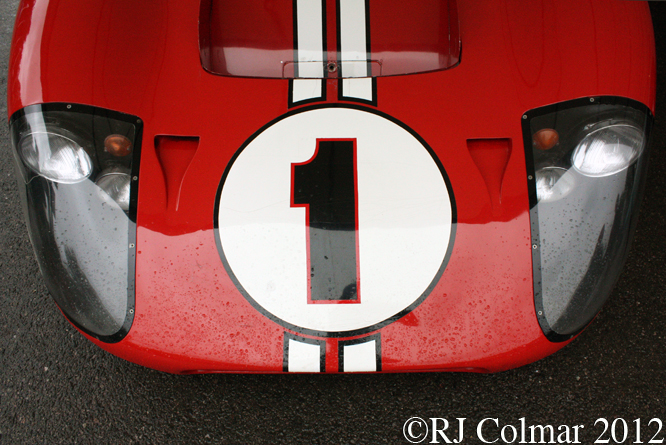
(327,38)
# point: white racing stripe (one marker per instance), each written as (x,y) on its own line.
(310,51)
(306,89)
(354,54)
(309,67)
(303,354)
(353,38)
(361,355)
(359,88)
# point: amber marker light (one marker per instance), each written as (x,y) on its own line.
(546,138)
(118,145)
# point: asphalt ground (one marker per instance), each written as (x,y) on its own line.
(56,387)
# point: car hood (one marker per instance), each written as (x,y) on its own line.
(457,177)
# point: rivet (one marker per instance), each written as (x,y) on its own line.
(534,246)
(524,116)
(540,313)
(138,121)
(591,99)
(131,311)
(131,246)
(530,177)
(135,178)
(69,107)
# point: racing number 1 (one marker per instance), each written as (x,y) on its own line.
(326,186)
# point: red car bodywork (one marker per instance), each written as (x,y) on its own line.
(143,58)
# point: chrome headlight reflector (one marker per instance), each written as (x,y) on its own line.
(608,150)
(553,183)
(80,204)
(55,156)
(584,196)
(116,183)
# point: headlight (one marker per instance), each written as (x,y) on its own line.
(116,182)
(55,156)
(608,150)
(584,190)
(553,183)
(76,167)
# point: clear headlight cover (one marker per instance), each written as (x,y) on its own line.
(80,203)
(584,196)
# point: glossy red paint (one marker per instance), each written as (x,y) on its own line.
(142,58)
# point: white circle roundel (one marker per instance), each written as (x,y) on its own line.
(334,221)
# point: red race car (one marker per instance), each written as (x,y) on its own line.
(331,186)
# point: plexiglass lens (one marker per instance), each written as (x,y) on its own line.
(77,201)
(55,157)
(584,205)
